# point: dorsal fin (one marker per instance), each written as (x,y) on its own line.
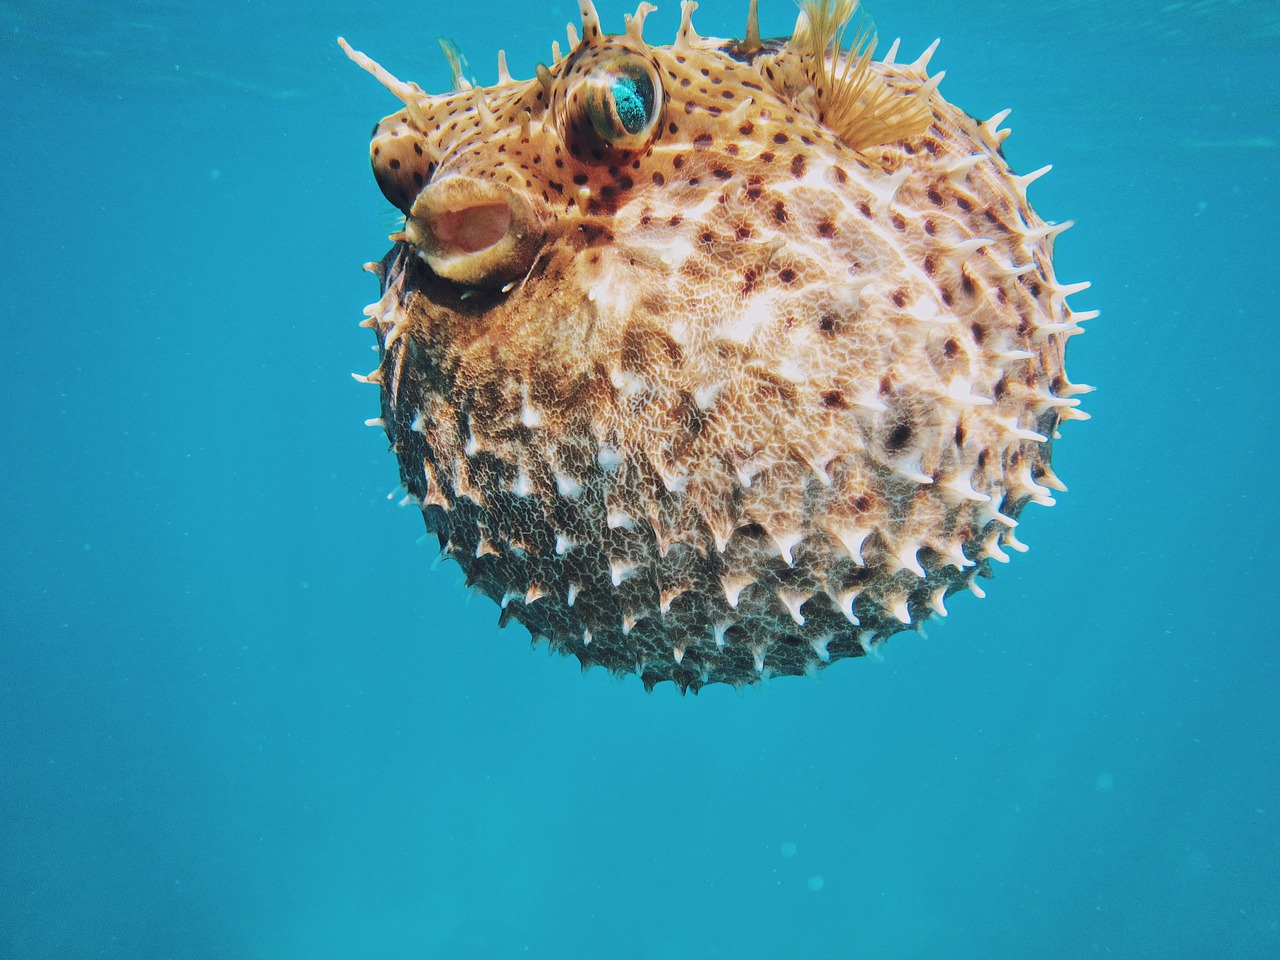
(854,99)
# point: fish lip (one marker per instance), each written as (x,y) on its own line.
(475,232)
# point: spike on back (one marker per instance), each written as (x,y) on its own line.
(686,34)
(635,23)
(590,20)
(504,75)
(751,39)
(409,94)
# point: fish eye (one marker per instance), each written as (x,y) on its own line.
(623,100)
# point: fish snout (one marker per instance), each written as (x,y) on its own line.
(475,232)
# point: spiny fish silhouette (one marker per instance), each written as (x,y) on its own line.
(716,360)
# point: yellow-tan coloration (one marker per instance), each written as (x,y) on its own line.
(707,385)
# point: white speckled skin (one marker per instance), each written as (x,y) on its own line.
(737,400)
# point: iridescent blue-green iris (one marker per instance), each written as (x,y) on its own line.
(633,98)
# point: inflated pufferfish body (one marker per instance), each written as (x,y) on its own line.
(720,359)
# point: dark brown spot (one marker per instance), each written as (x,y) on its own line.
(827,323)
(833,399)
(951,347)
(899,298)
(658,178)
(780,138)
(395,164)
(898,437)
(787,275)
(930,266)
(702,141)
(747,129)
(797,166)
(964,204)
(864,209)
(898,222)
(995,221)
(826,229)
(780,212)
(934,197)
(960,435)
(595,233)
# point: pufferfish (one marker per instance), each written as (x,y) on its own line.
(717,360)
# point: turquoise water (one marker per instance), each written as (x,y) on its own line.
(240,716)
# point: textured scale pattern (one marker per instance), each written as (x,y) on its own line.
(728,397)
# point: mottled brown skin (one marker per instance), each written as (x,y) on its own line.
(746,404)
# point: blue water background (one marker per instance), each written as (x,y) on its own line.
(241,717)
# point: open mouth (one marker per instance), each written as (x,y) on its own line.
(472,229)
(475,232)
